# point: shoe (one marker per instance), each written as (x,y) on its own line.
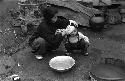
(39,57)
(86,54)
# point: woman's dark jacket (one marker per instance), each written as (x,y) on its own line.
(47,31)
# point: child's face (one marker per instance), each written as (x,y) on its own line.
(73,33)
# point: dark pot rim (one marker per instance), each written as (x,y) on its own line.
(113,61)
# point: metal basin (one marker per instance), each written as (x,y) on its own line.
(62,63)
(109,70)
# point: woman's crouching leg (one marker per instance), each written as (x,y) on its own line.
(40,46)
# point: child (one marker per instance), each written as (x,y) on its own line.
(76,41)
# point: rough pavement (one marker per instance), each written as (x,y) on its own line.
(109,43)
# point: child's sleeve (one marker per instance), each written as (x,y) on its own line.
(86,39)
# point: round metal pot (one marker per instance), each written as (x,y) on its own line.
(110,70)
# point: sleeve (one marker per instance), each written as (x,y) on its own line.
(86,39)
(53,39)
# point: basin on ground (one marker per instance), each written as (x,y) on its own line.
(107,70)
(62,63)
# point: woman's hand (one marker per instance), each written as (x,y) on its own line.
(72,22)
(60,31)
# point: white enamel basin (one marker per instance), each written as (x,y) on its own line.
(61,63)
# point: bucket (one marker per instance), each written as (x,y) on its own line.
(113,14)
(110,70)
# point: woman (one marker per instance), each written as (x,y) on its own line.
(44,38)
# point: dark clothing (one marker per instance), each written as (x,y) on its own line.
(46,30)
(74,45)
(80,45)
(49,13)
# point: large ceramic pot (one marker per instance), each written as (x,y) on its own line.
(97,22)
(109,70)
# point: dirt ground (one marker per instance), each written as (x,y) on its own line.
(109,43)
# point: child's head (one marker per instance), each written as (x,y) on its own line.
(71,30)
